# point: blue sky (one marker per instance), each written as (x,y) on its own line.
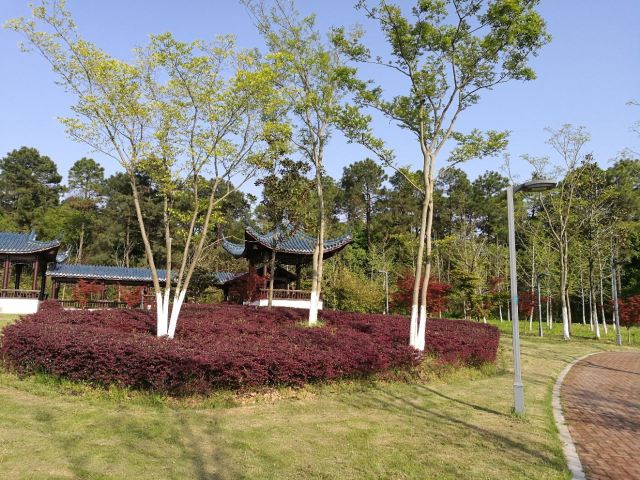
(586,76)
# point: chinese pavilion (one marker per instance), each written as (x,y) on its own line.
(27,263)
(22,253)
(292,248)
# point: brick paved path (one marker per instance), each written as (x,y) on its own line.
(601,402)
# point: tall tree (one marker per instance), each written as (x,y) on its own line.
(181,112)
(558,205)
(310,75)
(29,185)
(86,185)
(362,185)
(445,67)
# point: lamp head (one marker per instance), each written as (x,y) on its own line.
(536,186)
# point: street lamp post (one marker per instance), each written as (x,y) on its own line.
(532,186)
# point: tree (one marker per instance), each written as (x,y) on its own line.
(29,185)
(630,313)
(362,185)
(445,67)
(86,184)
(310,75)
(116,238)
(558,205)
(179,113)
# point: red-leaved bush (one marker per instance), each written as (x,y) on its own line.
(84,290)
(438,294)
(229,346)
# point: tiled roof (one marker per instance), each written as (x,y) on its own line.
(235,249)
(24,243)
(220,278)
(103,272)
(285,240)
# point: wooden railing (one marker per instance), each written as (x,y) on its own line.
(283,294)
(93,304)
(13,293)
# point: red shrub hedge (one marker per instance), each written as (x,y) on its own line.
(228,346)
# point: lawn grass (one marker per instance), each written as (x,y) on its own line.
(578,331)
(451,423)
(6,319)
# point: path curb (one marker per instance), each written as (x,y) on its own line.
(568,447)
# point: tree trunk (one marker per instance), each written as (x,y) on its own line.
(563,296)
(318,252)
(593,305)
(413,326)
(533,285)
(80,244)
(604,317)
(162,322)
(584,318)
(422,322)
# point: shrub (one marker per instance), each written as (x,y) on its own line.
(354,293)
(84,290)
(629,309)
(437,297)
(228,346)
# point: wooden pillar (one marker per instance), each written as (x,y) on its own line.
(55,289)
(36,268)
(298,276)
(18,271)
(43,282)
(5,275)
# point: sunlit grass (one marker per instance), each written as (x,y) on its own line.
(7,319)
(578,331)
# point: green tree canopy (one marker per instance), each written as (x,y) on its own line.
(29,184)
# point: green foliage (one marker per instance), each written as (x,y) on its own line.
(354,293)
(29,185)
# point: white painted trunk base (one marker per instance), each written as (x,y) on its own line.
(413,325)
(313,308)
(161,314)
(565,323)
(175,312)
(422,329)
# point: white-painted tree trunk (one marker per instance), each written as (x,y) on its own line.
(565,322)
(500,310)
(594,321)
(591,309)
(422,329)
(313,311)
(413,326)
(604,317)
(175,312)
(161,314)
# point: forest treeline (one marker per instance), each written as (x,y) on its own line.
(597,208)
